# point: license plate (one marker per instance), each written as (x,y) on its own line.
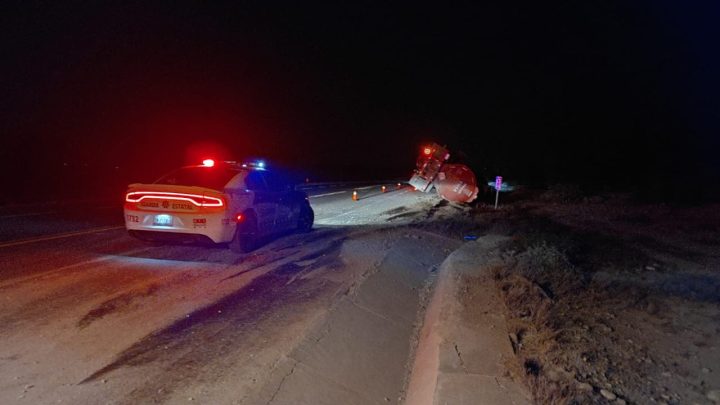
(162,220)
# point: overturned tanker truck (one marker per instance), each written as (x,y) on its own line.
(453,182)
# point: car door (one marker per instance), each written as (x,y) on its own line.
(280,190)
(263,201)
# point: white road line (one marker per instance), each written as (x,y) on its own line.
(365,188)
(365,206)
(60,236)
(327,194)
(32,214)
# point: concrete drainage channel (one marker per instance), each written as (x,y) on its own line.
(361,353)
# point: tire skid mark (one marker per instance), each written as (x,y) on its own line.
(67,296)
(397,210)
(117,304)
(60,298)
(408,214)
(274,255)
(255,266)
(210,332)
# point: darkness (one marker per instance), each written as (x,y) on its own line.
(607,95)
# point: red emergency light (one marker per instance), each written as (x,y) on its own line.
(427,151)
(208,163)
(195,199)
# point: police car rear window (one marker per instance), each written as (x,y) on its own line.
(209,177)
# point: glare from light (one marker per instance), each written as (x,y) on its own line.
(163,220)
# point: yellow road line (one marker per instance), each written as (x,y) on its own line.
(59,236)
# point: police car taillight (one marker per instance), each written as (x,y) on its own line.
(196,199)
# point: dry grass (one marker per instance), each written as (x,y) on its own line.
(602,305)
(533,285)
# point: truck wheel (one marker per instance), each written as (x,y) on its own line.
(245,239)
(306,218)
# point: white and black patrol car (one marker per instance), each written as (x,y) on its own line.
(221,202)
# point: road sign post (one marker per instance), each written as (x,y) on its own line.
(498,186)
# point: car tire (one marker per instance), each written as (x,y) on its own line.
(246,234)
(306,218)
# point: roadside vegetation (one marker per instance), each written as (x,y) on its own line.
(609,300)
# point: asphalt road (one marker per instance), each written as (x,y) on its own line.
(90,315)
(28,222)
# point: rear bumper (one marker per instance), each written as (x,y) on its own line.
(171,237)
(215,227)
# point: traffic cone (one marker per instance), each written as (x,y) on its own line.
(355,195)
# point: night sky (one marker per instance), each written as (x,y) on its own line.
(605,94)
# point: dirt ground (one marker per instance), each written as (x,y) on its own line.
(610,300)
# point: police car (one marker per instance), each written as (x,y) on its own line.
(220,202)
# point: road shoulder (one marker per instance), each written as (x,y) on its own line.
(464,345)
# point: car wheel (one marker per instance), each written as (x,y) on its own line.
(306,218)
(245,239)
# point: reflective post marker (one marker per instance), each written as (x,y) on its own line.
(498,186)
